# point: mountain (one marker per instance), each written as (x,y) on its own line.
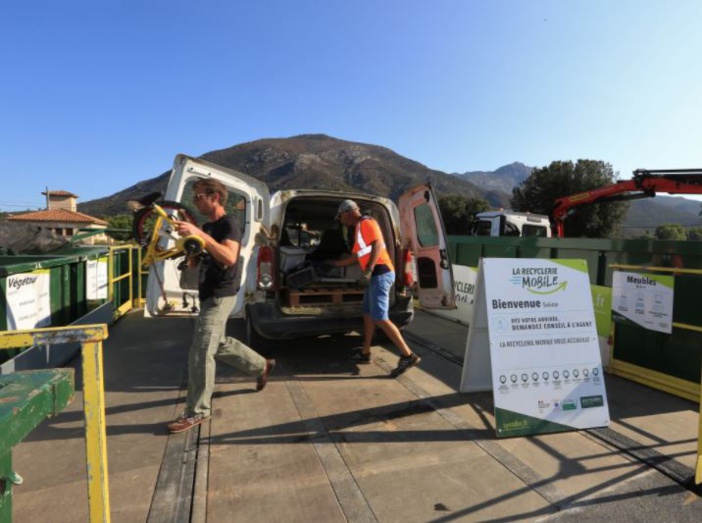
(318,161)
(323,162)
(647,214)
(503,179)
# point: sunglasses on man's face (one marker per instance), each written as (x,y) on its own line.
(199,196)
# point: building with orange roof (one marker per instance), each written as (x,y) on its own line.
(62,217)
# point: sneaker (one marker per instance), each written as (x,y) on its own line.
(359,356)
(263,378)
(184,423)
(405,363)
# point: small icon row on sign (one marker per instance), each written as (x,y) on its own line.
(554,375)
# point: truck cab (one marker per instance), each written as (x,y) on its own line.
(511,223)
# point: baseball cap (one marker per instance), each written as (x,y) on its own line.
(345,206)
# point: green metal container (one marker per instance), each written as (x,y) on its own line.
(678,354)
(66,271)
(26,399)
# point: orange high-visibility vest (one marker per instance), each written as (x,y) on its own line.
(367,232)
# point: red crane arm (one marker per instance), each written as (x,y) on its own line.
(644,184)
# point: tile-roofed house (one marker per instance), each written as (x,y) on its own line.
(62,217)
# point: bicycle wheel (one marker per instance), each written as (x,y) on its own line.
(144,219)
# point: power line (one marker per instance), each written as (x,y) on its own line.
(22,203)
(22,206)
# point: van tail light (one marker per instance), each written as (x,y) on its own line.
(408,260)
(264,264)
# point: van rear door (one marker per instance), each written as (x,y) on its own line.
(423,232)
(249,200)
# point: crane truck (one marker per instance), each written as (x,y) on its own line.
(645,183)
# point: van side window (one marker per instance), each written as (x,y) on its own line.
(534,230)
(427,235)
(300,234)
(235,206)
(511,230)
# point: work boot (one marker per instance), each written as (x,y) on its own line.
(404,364)
(358,356)
(263,378)
(184,423)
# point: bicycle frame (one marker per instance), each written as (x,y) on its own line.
(190,245)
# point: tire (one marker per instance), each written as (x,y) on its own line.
(143,219)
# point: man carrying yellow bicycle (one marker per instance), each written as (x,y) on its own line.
(219,282)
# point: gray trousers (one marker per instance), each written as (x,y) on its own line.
(209,342)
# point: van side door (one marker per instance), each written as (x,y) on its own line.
(248,200)
(424,233)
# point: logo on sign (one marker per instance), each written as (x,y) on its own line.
(18,283)
(538,280)
(569,405)
(588,402)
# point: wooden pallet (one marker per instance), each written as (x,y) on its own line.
(323,296)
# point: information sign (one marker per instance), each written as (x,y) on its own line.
(28,300)
(96,279)
(533,341)
(645,299)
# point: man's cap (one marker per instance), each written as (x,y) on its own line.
(345,206)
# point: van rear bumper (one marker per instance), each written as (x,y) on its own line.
(270,322)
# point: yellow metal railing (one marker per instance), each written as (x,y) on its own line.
(90,337)
(134,271)
(679,387)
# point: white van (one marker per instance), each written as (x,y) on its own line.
(511,223)
(286,291)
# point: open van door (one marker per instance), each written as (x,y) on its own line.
(248,200)
(423,232)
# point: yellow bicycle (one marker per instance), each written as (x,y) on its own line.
(153,228)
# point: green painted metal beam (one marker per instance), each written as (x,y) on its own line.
(26,399)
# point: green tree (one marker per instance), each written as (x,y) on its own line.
(120,221)
(646,235)
(670,231)
(694,233)
(538,193)
(458,212)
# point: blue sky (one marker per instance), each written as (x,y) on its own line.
(97,96)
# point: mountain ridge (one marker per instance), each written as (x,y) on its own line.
(503,179)
(324,162)
(314,160)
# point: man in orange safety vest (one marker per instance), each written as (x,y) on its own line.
(370,253)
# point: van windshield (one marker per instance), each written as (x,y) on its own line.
(482,228)
(311,224)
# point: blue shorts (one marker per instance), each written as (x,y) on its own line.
(376,300)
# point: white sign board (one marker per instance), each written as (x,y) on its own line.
(645,299)
(533,341)
(96,279)
(28,300)
(464,278)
